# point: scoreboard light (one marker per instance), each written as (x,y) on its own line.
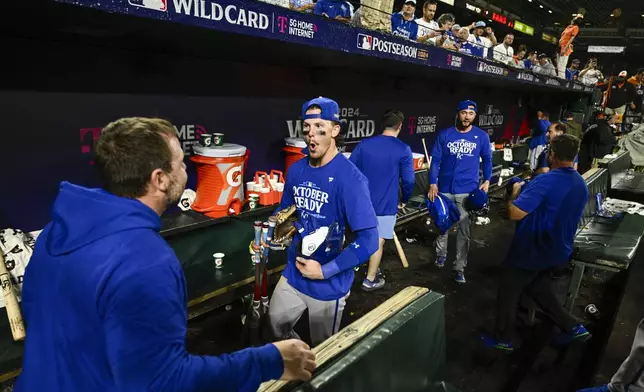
(499,18)
(524,28)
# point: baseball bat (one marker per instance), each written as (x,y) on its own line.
(401,252)
(11,302)
(429,159)
(263,270)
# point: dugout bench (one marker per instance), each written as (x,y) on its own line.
(624,183)
(604,243)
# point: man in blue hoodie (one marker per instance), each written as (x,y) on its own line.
(104,296)
(456,158)
(330,194)
(385,160)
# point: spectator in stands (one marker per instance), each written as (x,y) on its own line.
(302,5)
(456,28)
(427,26)
(504,52)
(544,66)
(598,141)
(375,15)
(531,61)
(333,9)
(403,24)
(565,44)
(465,46)
(574,128)
(618,95)
(482,38)
(547,210)
(590,75)
(572,73)
(517,60)
(544,163)
(630,375)
(538,139)
(446,39)
(637,80)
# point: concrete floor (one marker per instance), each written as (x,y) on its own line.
(469,309)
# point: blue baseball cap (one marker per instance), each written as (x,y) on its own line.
(480,24)
(330,109)
(467,105)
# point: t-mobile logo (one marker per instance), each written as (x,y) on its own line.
(282,23)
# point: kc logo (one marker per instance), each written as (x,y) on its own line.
(282,23)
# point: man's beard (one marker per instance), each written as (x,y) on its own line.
(174,192)
(460,125)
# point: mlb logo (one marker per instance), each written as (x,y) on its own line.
(365,41)
(157,5)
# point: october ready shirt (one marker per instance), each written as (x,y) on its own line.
(456,158)
(555,202)
(334,195)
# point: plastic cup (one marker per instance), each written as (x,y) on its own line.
(253,201)
(219,260)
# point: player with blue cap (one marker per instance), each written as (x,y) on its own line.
(329,192)
(454,171)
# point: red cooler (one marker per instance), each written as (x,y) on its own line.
(220,179)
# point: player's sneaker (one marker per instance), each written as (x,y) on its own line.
(490,342)
(603,388)
(377,283)
(579,333)
(458,276)
(440,261)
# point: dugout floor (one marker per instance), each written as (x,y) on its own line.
(469,308)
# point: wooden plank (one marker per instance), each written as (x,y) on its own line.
(353,332)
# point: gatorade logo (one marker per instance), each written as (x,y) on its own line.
(234,177)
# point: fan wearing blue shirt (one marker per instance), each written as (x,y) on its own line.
(104,296)
(572,73)
(543,164)
(538,139)
(385,161)
(333,9)
(547,210)
(330,195)
(403,23)
(454,172)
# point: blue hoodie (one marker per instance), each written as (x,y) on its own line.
(104,301)
(385,160)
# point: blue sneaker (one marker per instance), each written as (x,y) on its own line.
(459,276)
(490,342)
(440,261)
(579,333)
(603,388)
(377,283)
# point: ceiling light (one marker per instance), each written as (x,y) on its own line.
(540,6)
(550,11)
(612,14)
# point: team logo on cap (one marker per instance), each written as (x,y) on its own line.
(158,5)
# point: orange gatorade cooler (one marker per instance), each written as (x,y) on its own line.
(220,179)
(419,160)
(293,151)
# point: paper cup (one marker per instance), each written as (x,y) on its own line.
(218,139)
(280,187)
(219,260)
(253,201)
(205,140)
(250,186)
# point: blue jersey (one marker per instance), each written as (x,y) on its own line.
(571,72)
(333,196)
(539,135)
(332,8)
(404,28)
(554,202)
(456,158)
(384,160)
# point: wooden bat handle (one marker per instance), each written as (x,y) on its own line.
(429,159)
(401,252)
(11,302)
